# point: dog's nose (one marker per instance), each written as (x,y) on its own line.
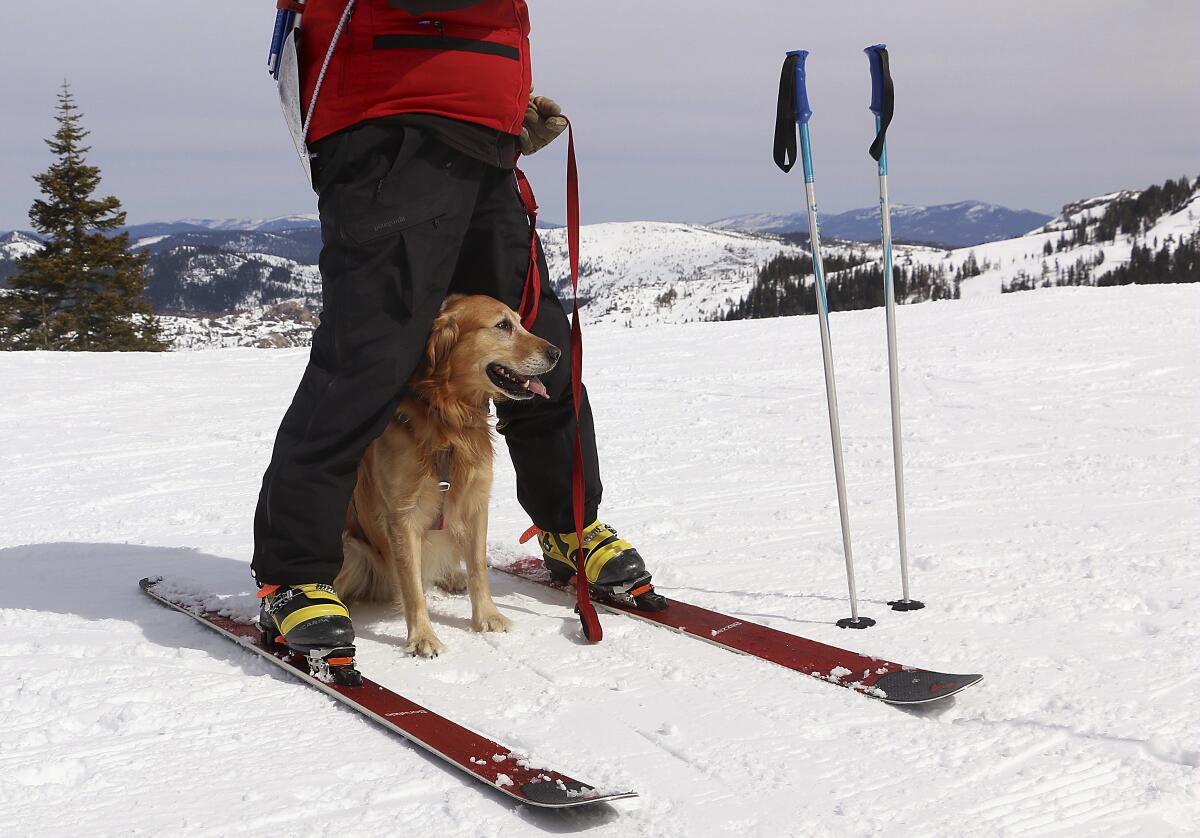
(554,353)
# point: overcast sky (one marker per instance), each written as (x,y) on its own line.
(1027,104)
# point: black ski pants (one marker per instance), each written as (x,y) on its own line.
(405,220)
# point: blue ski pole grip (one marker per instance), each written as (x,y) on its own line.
(878,73)
(277,38)
(803,110)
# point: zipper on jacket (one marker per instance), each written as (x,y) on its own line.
(437,24)
(344,58)
(440,40)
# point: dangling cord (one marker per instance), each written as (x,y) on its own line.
(337,34)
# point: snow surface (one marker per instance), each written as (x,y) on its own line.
(1053,455)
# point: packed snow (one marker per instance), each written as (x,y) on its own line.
(1053,455)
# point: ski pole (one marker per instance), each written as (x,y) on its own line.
(794,110)
(882,105)
(285,20)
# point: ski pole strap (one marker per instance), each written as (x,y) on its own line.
(785,117)
(792,108)
(882,95)
(587,612)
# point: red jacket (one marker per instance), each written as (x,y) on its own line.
(464,59)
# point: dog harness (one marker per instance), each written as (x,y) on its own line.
(442,463)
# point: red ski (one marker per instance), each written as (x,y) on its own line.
(485,760)
(873,677)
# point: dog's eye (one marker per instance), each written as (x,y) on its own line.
(504,325)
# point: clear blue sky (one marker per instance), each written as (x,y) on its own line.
(1028,104)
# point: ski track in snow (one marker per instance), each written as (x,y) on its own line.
(1053,473)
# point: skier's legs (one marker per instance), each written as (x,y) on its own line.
(395,205)
(540,433)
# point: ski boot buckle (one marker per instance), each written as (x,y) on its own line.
(626,593)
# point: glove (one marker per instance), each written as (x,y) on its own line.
(542,124)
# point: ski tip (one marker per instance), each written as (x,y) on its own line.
(558,794)
(920,686)
(149,582)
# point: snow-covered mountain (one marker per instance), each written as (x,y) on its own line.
(14,245)
(1060,248)
(640,272)
(187,225)
(17,243)
(633,273)
(212,272)
(958,224)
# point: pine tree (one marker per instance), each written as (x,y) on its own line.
(83,290)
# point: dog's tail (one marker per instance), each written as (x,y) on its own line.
(363,577)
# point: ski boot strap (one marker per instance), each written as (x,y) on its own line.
(626,592)
(334,666)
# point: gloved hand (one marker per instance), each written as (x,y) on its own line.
(542,124)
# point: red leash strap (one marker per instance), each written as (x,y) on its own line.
(587,612)
(530,297)
(592,629)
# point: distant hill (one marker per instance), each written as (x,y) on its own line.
(257,283)
(961,224)
(196,225)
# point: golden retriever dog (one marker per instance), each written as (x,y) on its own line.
(393,546)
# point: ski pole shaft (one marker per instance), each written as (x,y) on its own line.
(882,103)
(803,112)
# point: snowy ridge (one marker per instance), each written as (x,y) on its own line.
(1053,467)
(960,223)
(1003,261)
(641,272)
(15,244)
(1088,208)
(261,225)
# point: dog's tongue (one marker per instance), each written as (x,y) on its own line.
(537,387)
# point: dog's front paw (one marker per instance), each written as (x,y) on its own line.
(425,644)
(491,621)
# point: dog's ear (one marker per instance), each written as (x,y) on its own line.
(442,338)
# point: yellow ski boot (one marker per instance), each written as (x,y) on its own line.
(612,565)
(313,623)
